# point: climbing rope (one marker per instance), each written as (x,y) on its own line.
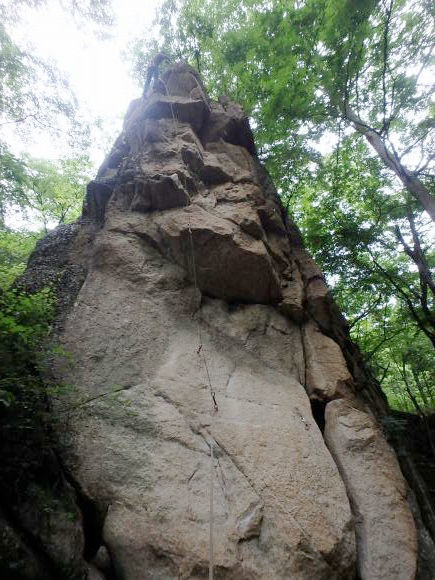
(210,543)
(200,351)
(201,354)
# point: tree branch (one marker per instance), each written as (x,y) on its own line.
(365,313)
(415,187)
(385,123)
(413,311)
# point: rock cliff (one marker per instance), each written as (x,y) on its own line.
(207,361)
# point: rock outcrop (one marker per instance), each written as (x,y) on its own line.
(203,323)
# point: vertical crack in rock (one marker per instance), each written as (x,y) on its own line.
(318,411)
(304,359)
(96,554)
(289,494)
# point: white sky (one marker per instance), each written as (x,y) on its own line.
(95,67)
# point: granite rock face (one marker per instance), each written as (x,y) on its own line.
(204,323)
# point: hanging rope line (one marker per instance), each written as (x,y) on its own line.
(201,353)
(200,350)
(211,519)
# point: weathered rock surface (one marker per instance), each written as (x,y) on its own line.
(204,314)
(366,461)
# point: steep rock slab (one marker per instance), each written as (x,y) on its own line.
(327,375)
(280,506)
(199,291)
(367,462)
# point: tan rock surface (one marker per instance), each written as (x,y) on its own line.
(197,283)
(276,488)
(327,375)
(387,541)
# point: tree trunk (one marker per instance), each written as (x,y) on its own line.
(415,187)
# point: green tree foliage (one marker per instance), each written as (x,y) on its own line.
(24,323)
(86,12)
(35,97)
(34,94)
(353,78)
(47,193)
(350,217)
(37,194)
(15,248)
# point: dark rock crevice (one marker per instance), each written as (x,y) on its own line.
(412,437)
(93,516)
(22,553)
(318,410)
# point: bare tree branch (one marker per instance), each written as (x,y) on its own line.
(415,187)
